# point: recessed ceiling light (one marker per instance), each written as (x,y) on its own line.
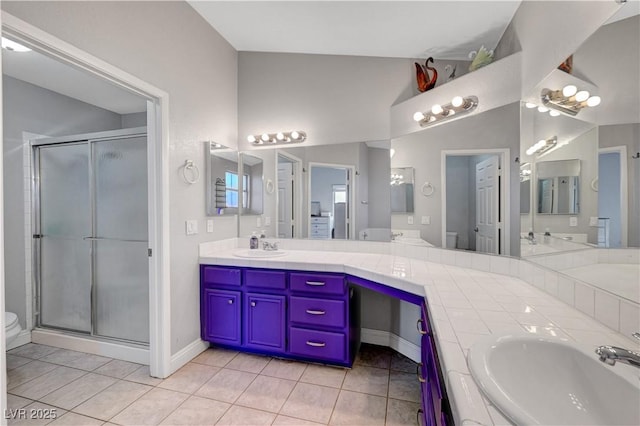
(13,46)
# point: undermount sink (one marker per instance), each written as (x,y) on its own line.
(257,253)
(539,380)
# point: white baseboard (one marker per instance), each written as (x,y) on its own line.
(91,346)
(385,338)
(186,354)
(22,338)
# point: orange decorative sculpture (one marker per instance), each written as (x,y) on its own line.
(425,81)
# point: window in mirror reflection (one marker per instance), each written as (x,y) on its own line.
(232,189)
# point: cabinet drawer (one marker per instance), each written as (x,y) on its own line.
(323,219)
(319,312)
(318,283)
(320,345)
(265,279)
(220,275)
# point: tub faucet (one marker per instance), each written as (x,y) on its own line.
(394,235)
(611,354)
(531,237)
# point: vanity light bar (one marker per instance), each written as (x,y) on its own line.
(569,100)
(295,136)
(542,145)
(440,113)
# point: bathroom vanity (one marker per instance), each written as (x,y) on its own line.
(306,315)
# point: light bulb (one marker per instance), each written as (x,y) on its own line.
(543,108)
(392,152)
(457,101)
(530,105)
(13,46)
(418,116)
(265,137)
(280,136)
(251,139)
(569,90)
(295,135)
(593,101)
(531,150)
(554,113)
(436,109)
(582,96)
(217,145)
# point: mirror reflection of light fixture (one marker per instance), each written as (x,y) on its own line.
(13,46)
(542,145)
(396,179)
(392,152)
(439,113)
(569,99)
(295,136)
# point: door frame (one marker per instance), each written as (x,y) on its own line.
(504,195)
(297,191)
(352,195)
(158,174)
(624,190)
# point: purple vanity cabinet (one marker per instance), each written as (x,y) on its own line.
(433,399)
(264,322)
(221,316)
(320,308)
(220,305)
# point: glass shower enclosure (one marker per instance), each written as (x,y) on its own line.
(91,234)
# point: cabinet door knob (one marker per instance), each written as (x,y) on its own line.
(231,301)
(419,372)
(316,344)
(419,326)
(253,303)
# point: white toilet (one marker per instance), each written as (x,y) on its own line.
(452,240)
(11,326)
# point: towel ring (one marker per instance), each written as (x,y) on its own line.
(195,173)
(594,184)
(270,187)
(428,189)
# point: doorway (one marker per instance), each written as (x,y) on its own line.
(612,202)
(331,201)
(289,196)
(474,197)
(155,101)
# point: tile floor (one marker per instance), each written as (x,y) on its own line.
(218,387)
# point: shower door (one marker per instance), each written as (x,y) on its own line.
(91,222)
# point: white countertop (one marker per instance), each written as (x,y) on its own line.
(464,304)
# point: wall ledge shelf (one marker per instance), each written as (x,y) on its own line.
(495,85)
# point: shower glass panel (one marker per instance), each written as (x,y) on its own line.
(92,229)
(121,263)
(65,257)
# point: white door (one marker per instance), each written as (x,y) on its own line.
(285,200)
(487,206)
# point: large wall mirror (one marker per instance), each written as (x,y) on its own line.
(582,186)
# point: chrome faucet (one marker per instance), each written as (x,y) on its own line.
(531,237)
(267,246)
(611,354)
(394,235)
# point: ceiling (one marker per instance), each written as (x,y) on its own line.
(398,29)
(41,70)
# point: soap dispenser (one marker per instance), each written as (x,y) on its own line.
(253,241)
